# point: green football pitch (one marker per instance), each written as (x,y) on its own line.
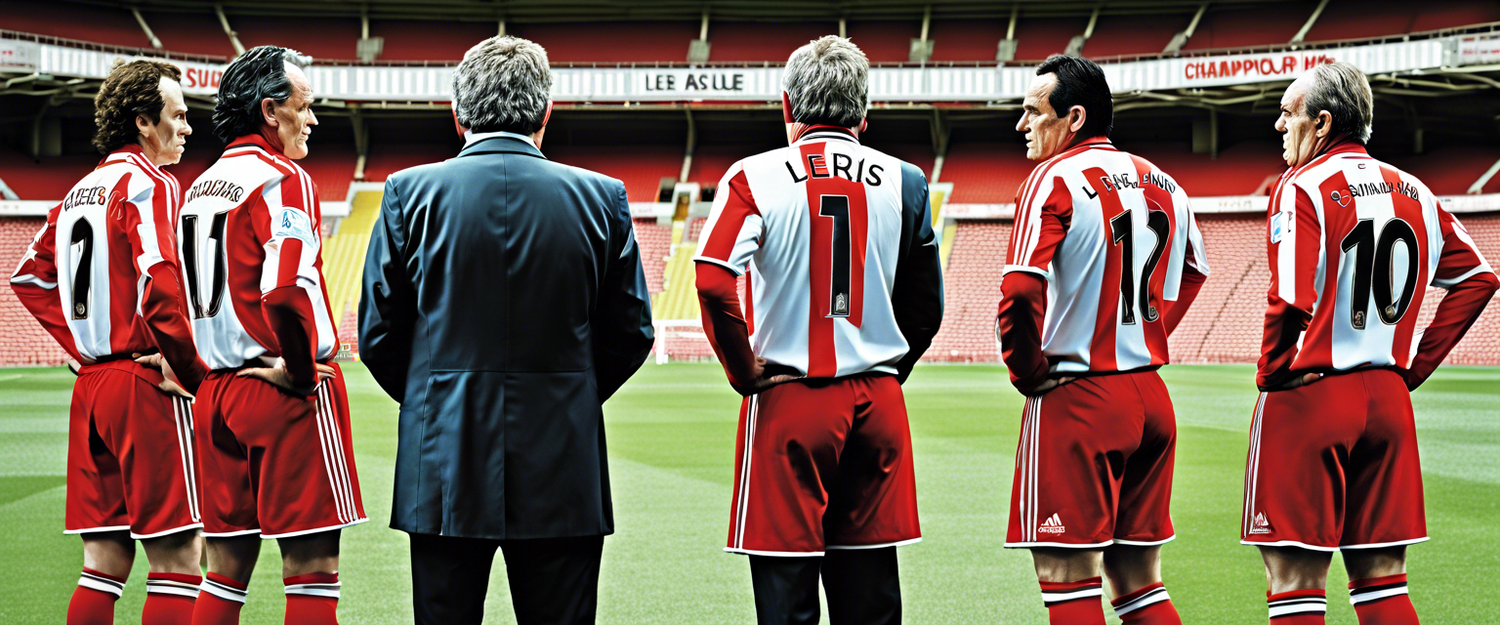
(671,441)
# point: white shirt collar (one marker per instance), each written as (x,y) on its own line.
(470,137)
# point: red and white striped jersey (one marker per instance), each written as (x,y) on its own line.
(822,226)
(90,274)
(1354,244)
(251,239)
(1111,234)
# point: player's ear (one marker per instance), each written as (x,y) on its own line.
(268,112)
(1324,126)
(548,115)
(863,124)
(786,108)
(1076,117)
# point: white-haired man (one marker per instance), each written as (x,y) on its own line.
(845,293)
(1354,244)
(504,302)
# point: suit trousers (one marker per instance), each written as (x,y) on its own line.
(552,580)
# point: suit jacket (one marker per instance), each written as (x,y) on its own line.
(503,302)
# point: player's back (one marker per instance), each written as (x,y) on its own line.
(822,225)
(107,233)
(250,223)
(1356,243)
(1111,234)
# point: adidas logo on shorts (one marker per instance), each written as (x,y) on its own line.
(1053,525)
(1260,525)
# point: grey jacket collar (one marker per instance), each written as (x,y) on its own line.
(500,145)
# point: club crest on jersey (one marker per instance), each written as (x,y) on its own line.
(293,224)
(1341,198)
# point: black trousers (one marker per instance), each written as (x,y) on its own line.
(862,585)
(552,580)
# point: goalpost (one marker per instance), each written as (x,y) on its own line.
(681,339)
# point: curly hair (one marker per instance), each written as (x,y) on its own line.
(257,74)
(130,90)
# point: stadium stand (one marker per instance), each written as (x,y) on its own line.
(1450,170)
(758,41)
(1239,170)
(48,179)
(197,32)
(388,158)
(613,42)
(23,342)
(1239,27)
(113,26)
(640,167)
(1361,20)
(963,40)
(971,289)
(1040,37)
(425,40)
(655,242)
(890,41)
(985,173)
(1123,35)
(711,161)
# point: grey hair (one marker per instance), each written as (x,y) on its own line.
(503,83)
(1342,90)
(827,81)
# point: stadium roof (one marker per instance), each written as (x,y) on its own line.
(672,10)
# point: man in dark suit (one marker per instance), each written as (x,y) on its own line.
(503,302)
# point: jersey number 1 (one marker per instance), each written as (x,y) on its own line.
(840,297)
(1122,232)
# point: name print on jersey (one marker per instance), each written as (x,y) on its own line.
(216,188)
(1115,182)
(1366,189)
(817,168)
(85,196)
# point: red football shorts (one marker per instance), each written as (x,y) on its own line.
(130,454)
(1334,465)
(272,463)
(824,464)
(1094,465)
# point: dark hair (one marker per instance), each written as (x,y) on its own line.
(130,90)
(257,74)
(1080,82)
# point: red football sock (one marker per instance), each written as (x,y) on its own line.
(1074,603)
(169,598)
(1147,606)
(94,598)
(312,599)
(220,601)
(1382,601)
(1297,607)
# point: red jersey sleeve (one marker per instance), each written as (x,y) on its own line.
(35,284)
(149,227)
(1470,283)
(1294,248)
(734,228)
(1042,220)
(290,274)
